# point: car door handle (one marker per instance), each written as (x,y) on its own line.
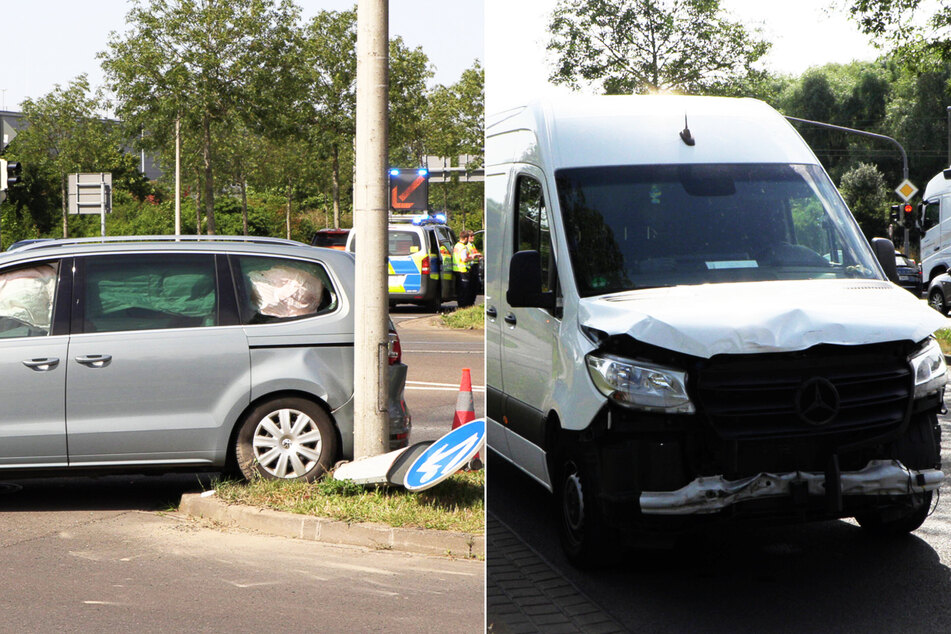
(42,365)
(491,312)
(510,319)
(95,360)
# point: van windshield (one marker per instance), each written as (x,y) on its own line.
(643,226)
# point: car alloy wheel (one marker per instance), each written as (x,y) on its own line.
(287,443)
(936,301)
(286,439)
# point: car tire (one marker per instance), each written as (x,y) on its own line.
(288,438)
(936,301)
(584,537)
(919,448)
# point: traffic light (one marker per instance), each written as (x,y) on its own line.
(10,174)
(908,215)
(896,214)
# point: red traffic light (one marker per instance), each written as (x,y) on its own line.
(907,208)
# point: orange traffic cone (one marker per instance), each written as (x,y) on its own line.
(465,406)
(465,412)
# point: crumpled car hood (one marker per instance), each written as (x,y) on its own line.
(756,317)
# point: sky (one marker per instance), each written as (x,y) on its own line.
(804,33)
(53,41)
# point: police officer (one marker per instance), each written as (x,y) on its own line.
(460,269)
(475,266)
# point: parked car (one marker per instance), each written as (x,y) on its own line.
(419,259)
(22,243)
(939,293)
(909,273)
(331,239)
(170,353)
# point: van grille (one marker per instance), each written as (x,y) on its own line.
(766,396)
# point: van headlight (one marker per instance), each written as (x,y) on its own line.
(640,385)
(929,368)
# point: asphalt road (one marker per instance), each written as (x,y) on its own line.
(106,554)
(92,555)
(826,576)
(436,357)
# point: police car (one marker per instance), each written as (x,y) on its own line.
(420,260)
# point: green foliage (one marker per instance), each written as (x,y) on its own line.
(64,134)
(864,191)
(917,29)
(640,46)
(266,108)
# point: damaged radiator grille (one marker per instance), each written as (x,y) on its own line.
(803,395)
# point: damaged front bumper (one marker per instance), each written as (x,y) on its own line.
(712,494)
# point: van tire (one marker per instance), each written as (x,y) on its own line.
(582,530)
(919,448)
(300,431)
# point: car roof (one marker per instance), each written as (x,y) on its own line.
(165,244)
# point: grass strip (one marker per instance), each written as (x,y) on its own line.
(944,340)
(470,318)
(456,504)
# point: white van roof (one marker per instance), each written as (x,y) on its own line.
(643,130)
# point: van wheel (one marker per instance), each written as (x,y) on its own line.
(583,535)
(286,439)
(936,301)
(919,448)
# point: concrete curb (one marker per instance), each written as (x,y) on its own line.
(412,540)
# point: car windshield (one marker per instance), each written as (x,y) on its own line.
(643,226)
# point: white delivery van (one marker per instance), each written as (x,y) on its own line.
(685,325)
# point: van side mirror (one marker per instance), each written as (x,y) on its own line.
(885,252)
(525,282)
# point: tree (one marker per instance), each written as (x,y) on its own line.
(409,71)
(897,22)
(330,60)
(639,46)
(863,189)
(64,133)
(203,61)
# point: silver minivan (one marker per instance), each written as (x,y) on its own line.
(685,325)
(157,353)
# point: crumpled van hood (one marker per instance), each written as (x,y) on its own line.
(753,317)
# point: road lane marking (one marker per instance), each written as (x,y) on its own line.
(439,387)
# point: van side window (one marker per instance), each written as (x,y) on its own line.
(531,231)
(147,292)
(26,300)
(931,215)
(278,289)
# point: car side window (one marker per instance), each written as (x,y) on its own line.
(282,289)
(149,291)
(531,231)
(27,295)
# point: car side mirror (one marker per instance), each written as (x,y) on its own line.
(885,252)
(525,282)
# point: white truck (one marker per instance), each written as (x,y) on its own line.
(935,214)
(686,325)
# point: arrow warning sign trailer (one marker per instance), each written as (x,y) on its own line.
(409,190)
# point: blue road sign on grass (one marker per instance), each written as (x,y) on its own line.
(446,456)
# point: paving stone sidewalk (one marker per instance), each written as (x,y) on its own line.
(525,595)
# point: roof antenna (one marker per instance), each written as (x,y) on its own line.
(685,133)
